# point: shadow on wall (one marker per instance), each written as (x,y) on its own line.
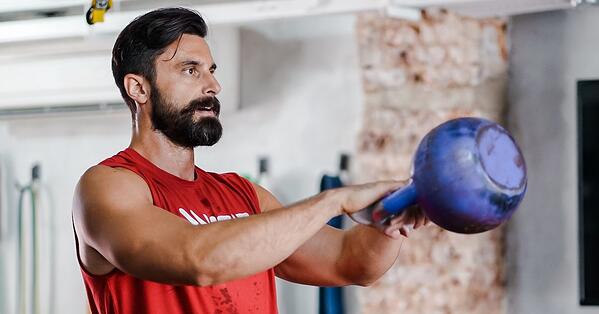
(537,237)
(6,231)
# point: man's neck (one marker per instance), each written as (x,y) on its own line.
(158,149)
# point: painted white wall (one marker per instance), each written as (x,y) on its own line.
(300,98)
(300,106)
(78,72)
(550,52)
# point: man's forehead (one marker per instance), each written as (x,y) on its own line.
(189,47)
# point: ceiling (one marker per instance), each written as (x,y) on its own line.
(34,20)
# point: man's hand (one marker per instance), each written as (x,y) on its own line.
(334,257)
(411,218)
(358,197)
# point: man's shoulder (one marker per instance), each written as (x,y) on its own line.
(104,172)
(106,179)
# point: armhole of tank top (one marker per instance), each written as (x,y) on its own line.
(80,262)
(253,194)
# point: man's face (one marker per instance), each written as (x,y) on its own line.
(183,95)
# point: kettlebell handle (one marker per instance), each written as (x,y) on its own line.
(381,212)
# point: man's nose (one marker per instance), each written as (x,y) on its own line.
(212,88)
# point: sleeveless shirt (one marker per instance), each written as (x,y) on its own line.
(209,198)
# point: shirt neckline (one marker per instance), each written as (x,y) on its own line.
(162,173)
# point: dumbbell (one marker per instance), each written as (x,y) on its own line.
(468,176)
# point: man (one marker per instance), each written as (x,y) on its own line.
(155,234)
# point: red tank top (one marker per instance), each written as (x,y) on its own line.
(209,198)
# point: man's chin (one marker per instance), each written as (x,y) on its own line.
(207,143)
(208,138)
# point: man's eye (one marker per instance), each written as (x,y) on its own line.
(191,71)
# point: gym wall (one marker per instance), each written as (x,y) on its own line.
(302,114)
(416,75)
(551,52)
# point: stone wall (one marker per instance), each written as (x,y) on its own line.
(415,76)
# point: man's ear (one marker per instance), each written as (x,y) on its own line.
(137,88)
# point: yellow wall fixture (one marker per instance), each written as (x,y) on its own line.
(95,14)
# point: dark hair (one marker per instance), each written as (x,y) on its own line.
(146,37)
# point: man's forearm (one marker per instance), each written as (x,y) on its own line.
(367,254)
(237,248)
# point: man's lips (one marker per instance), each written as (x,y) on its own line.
(205,112)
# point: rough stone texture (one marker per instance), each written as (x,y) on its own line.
(415,76)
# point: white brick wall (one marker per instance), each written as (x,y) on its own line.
(415,76)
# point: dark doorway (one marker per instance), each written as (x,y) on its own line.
(588,161)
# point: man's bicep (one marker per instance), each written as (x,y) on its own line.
(114,213)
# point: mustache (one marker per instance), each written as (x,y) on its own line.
(206,103)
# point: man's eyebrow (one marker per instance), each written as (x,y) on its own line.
(194,62)
(190,62)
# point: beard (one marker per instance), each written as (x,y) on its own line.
(179,125)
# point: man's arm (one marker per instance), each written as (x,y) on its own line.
(334,257)
(114,214)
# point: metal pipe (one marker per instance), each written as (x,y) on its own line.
(31,190)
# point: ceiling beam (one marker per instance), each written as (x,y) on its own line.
(215,14)
(489,8)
